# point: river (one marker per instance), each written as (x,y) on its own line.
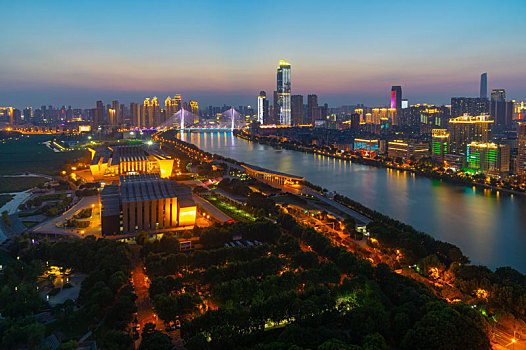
(489,227)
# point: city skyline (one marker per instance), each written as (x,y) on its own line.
(219,53)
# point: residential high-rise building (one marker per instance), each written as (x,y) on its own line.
(498,95)
(396,97)
(262,117)
(484,85)
(284,89)
(151,112)
(439,143)
(136,116)
(489,158)
(469,105)
(521,150)
(28,113)
(98,115)
(297,109)
(176,101)
(168,108)
(116,114)
(194,109)
(312,102)
(466,129)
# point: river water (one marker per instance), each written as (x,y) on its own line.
(489,227)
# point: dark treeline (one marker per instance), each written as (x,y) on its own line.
(277,296)
(505,287)
(104,292)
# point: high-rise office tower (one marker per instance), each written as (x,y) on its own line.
(283,89)
(466,129)
(262,108)
(521,150)
(296,109)
(396,97)
(116,113)
(469,105)
(498,95)
(312,102)
(484,85)
(500,110)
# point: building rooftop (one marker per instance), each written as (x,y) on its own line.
(271,172)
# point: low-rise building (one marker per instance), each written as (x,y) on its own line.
(407,149)
(129,159)
(145,202)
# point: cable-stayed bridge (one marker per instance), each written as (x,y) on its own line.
(185,120)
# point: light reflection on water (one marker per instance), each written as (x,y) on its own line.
(490,228)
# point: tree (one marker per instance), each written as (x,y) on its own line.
(141,238)
(153,339)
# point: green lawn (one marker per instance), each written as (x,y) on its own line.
(30,224)
(21,183)
(230,210)
(28,154)
(4,198)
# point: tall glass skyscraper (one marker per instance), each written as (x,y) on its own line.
(262,108)
(484,85)
(283,90)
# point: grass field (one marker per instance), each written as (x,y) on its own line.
(17,184)
(4,198)
(28,154)
(30,224)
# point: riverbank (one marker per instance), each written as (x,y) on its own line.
(451,179)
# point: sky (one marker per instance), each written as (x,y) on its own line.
(224,52)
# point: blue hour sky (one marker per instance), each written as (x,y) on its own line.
(220,51)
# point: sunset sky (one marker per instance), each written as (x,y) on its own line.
(348,52)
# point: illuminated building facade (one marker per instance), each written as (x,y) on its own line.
(439,143)
(7,114)
(519,111)
(151,112)
(122,160)
(272,177)
(116,114)
(432,117)
(283,93)
(367,147)
(396,97)
(489,158)
(466,129)
(406,150)
(521,155)
(263,111)
(194,109)
(145,203)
